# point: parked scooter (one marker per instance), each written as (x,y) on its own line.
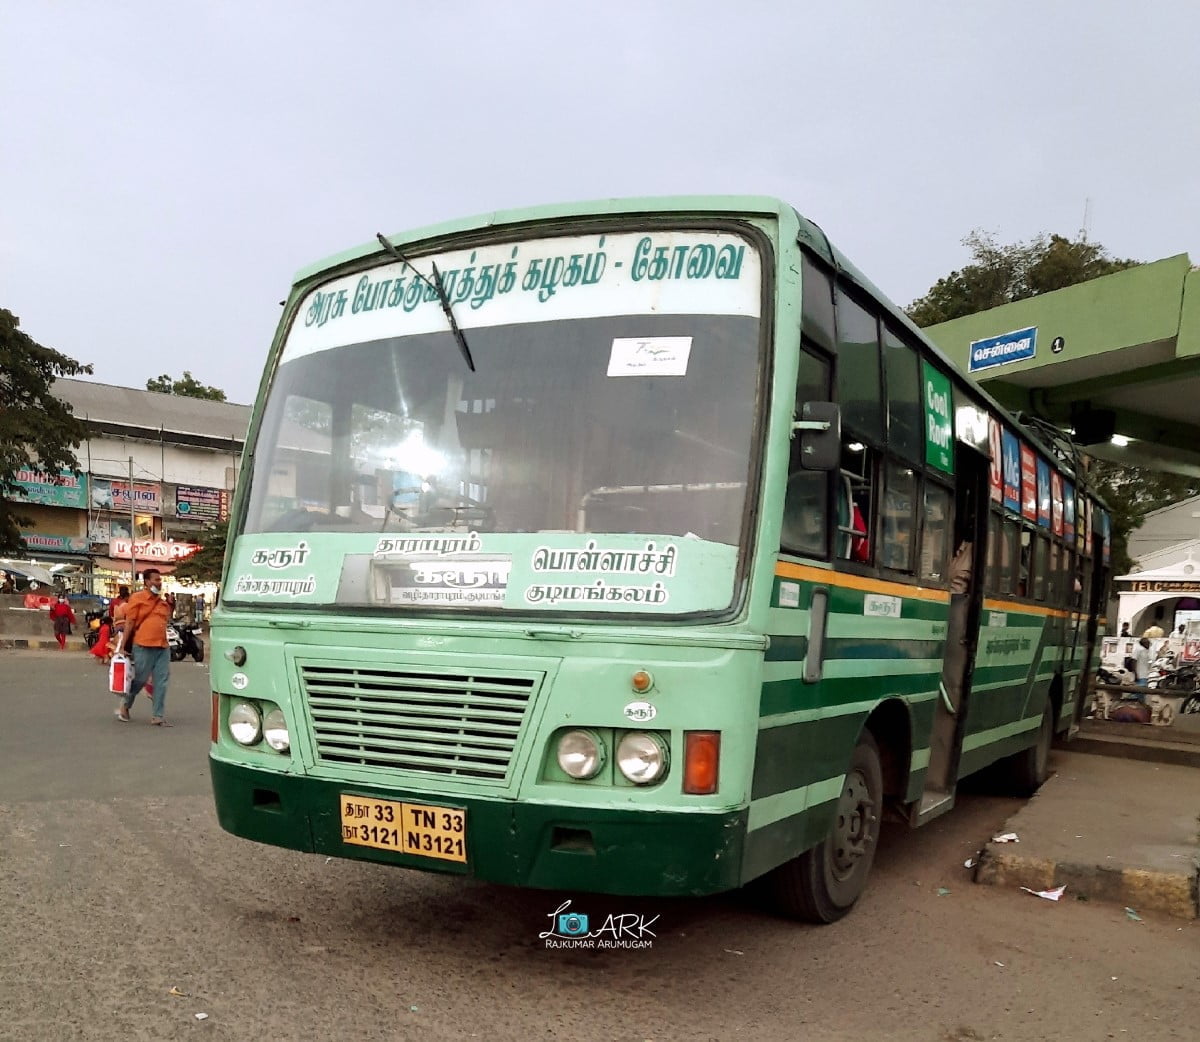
(184,640)
(1184,678)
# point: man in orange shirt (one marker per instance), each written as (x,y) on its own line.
(146,618)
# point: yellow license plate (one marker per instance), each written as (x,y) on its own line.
(410,828)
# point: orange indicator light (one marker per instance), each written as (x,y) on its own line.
(642,681)
(701,756)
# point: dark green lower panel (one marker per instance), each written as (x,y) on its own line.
(604,851)
(773,844)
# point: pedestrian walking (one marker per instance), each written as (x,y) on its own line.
(116,609)
(63,618)
(146,618)
(1141,662)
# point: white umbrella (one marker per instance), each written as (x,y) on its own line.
(30,571)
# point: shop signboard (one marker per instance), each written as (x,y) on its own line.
(55,544)
(201,504)
(35,487)
(151,550)
(111,494)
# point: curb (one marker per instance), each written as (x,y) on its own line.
(1173,893)
(1182,753)
(38,644)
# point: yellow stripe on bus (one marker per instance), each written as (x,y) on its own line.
(828,577)
(1026,609)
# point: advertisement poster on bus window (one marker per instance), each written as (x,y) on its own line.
(1043,492)
(1068,511)
(1029,496)
(1012,472)
(996,465)
(1056,502)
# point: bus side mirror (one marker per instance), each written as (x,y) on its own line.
(820,428)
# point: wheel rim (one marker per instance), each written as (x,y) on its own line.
(853,828)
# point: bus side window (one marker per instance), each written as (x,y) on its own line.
(1040,566)
(1023,565)
(898,515)
(806,499)
(816,292)
(856,503)
(859,388)
(1008,552)
(906,425)
(935,533)
(994,553)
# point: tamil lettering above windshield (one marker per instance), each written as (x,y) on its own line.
(596,457)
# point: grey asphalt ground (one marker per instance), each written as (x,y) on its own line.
(117,886)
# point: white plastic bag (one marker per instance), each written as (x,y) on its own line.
(120,674)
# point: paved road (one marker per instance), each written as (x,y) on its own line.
(116,885)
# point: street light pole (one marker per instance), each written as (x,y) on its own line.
(132,532)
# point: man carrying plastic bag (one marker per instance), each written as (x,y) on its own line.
(146,618)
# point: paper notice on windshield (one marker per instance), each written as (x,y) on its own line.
(650,356)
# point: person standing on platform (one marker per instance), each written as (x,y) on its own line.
(146,618)
(63,618)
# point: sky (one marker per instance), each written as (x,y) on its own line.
(165,169)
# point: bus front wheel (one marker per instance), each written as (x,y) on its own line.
(822,884)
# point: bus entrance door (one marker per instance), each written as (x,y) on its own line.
(962,628)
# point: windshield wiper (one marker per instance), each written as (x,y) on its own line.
(440,289)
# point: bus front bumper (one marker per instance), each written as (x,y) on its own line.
(549,846)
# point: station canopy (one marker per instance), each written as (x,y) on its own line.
(1114,361)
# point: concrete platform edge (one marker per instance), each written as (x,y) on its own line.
(1152,750)
(1174,893)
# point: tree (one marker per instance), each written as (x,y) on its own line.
(37,430)
(204,566)
(187,386)
(1002,274)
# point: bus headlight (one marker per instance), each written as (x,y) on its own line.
(275,731)
(580,754)
(245,723)
(642,757)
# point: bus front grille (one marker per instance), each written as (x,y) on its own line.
(460,724)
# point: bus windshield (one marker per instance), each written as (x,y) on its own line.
(596,459)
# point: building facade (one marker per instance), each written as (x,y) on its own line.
(156,469)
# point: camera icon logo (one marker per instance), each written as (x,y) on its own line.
(573,924)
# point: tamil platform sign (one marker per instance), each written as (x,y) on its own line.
(1016,346)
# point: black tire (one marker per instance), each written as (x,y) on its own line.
(1190,705)
(198,654)
(1028,769)
(177,653)
(823,884)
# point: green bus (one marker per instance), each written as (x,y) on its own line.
(634,547)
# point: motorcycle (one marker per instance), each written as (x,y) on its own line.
(184,640)
(1184,678)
